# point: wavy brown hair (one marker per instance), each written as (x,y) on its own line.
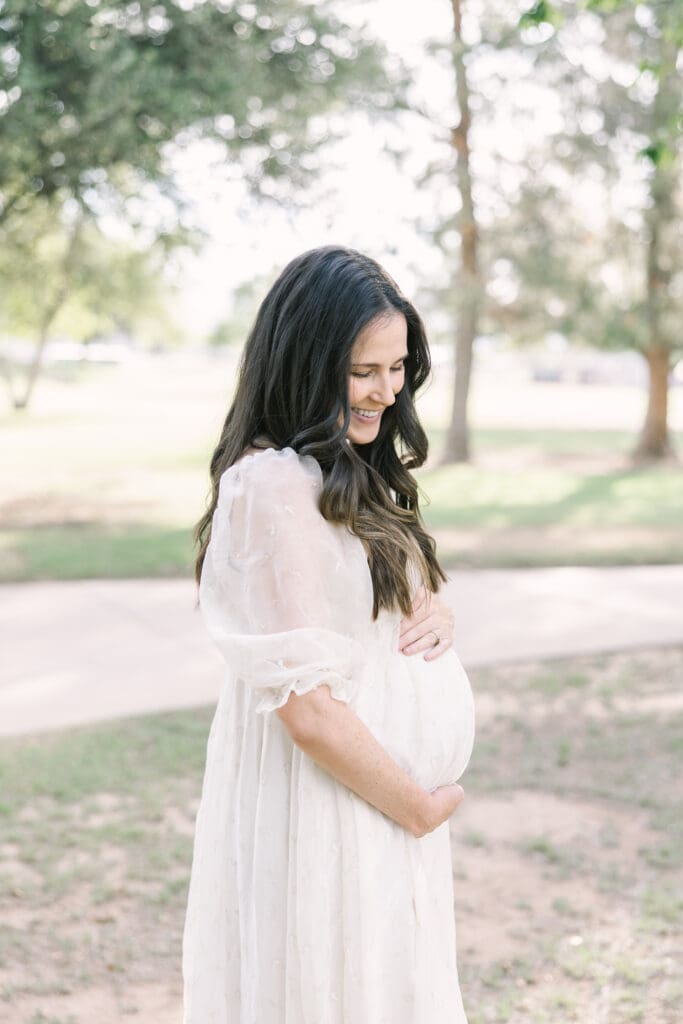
(293,385)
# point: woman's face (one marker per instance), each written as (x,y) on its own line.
(377,374)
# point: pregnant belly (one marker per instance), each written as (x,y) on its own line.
(423,714)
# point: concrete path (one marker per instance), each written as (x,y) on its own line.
(78,652)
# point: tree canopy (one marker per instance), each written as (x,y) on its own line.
(91,92)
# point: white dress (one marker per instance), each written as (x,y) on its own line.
(306,904)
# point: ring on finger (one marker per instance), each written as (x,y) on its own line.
(436,636)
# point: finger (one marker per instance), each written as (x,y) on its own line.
(438,649)
(419,614)
(412,636)
(425,642)
(441,627)
(414,631)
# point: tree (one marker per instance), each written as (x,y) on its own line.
(637,105)
(93,89)
(246,299)
(456,448)
(557,246)
(93,96)
(664,221)
(479,30)
(67,277)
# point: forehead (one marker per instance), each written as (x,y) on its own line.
(384,340)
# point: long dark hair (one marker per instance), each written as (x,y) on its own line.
(292,387)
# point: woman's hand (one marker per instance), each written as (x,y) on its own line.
(431,621)
(440,804)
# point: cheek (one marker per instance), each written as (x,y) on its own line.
(355,390)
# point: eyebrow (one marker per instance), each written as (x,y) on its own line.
(375,365)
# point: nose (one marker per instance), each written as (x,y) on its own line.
(384,393)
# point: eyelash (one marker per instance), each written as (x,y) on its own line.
(394,369)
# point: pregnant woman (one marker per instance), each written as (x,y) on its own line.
(321,888)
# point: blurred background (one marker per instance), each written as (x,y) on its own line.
(517,169)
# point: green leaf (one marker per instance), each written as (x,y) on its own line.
(542,13)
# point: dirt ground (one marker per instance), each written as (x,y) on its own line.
(567,855)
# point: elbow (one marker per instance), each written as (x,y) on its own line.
(304,716)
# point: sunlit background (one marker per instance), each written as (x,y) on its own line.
(517,169)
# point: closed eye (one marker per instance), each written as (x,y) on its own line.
(368,373)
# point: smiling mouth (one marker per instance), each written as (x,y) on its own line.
(367,414)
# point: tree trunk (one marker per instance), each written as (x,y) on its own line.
(21,402)
(457,437)
(457,447)
(654,442)
(6,374)
(8,205)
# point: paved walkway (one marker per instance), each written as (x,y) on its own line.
(78,652)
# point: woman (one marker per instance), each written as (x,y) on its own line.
(321,888)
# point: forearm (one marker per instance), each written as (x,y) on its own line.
(334,737)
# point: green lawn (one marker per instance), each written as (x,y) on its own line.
(106,477)
(480,516)
(95,551)
(549,514)
(474,496)
(568,852)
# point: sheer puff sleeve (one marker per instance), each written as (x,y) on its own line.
(285,595)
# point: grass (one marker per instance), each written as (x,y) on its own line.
(126,758)
(577,861)
(467,496)
(480,518)
(541,511)
(106,475)
(609,854)
(97,840)
(96,551)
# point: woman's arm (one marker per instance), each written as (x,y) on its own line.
(335,738)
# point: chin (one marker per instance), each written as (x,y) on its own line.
(367,438)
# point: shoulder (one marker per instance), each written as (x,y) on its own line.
(272,473)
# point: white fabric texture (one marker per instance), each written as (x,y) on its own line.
(306,904)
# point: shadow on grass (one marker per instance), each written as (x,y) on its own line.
(462,496)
